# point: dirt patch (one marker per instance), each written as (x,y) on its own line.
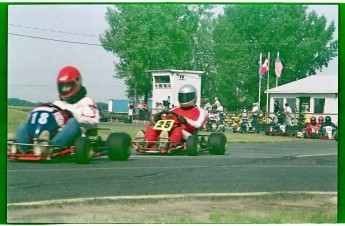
(266,209)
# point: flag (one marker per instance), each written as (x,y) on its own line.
(278,67)
(260,64)
(264,67)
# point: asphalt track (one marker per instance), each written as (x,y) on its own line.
(246,168)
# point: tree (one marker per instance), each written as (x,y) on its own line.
(154,36)
(304,41)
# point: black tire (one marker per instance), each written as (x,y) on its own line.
(217,143)
(336,136)
(192,145)
(119,146)
(305,135)
(83,150)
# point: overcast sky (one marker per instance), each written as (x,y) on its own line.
(33,63)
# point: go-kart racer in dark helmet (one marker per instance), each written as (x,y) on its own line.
(328,122)
(190,117)
(73,99)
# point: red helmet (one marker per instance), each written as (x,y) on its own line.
(69,82)
(313,120)
(320,120)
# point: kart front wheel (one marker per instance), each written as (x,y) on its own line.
(119,146)
(217,143)
(83,150)
(191,145)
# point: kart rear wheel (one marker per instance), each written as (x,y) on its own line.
(83,150)
(119,146)
(217,143)
(192,145)
(336,136)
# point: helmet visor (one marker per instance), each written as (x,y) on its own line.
(186,97)
(66,88)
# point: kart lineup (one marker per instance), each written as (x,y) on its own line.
(66,128)
(118,146)
(49,117)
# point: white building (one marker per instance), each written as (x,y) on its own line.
(166,83)
(314,95)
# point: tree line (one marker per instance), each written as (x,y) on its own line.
(25,103)
(226,45)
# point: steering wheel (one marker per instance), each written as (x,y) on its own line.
(160,114)
(70,114)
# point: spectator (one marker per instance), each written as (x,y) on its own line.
(146,110)
(277,110)
(167,103)
(288,114)
(255,112)
(131,110)
(207,106)
(141,110)
(220,111)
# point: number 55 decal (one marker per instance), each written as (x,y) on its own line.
(164,125)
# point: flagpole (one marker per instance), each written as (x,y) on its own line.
(276,75)
(268,81)
(260,63)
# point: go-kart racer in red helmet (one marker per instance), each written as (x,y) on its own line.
(313,125)
(320,120)
(73,99)
(191,117)
(70,84)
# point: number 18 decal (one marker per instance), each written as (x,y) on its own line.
(164,125)
(41,119)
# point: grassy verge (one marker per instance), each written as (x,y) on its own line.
(268,209)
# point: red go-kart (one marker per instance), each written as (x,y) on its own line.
(50,117)
(214,143)
(315,133)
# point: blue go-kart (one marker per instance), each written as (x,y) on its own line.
(50,117)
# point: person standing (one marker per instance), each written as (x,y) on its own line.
(146,111)
(220,111)
(141,111)
(131,110)
(255,112)
(216,101)
(167,103)
(207,106)
(278,109)
(288,114)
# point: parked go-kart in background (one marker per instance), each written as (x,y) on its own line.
(213,122)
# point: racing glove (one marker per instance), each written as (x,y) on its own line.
(182,120)
(155,118)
